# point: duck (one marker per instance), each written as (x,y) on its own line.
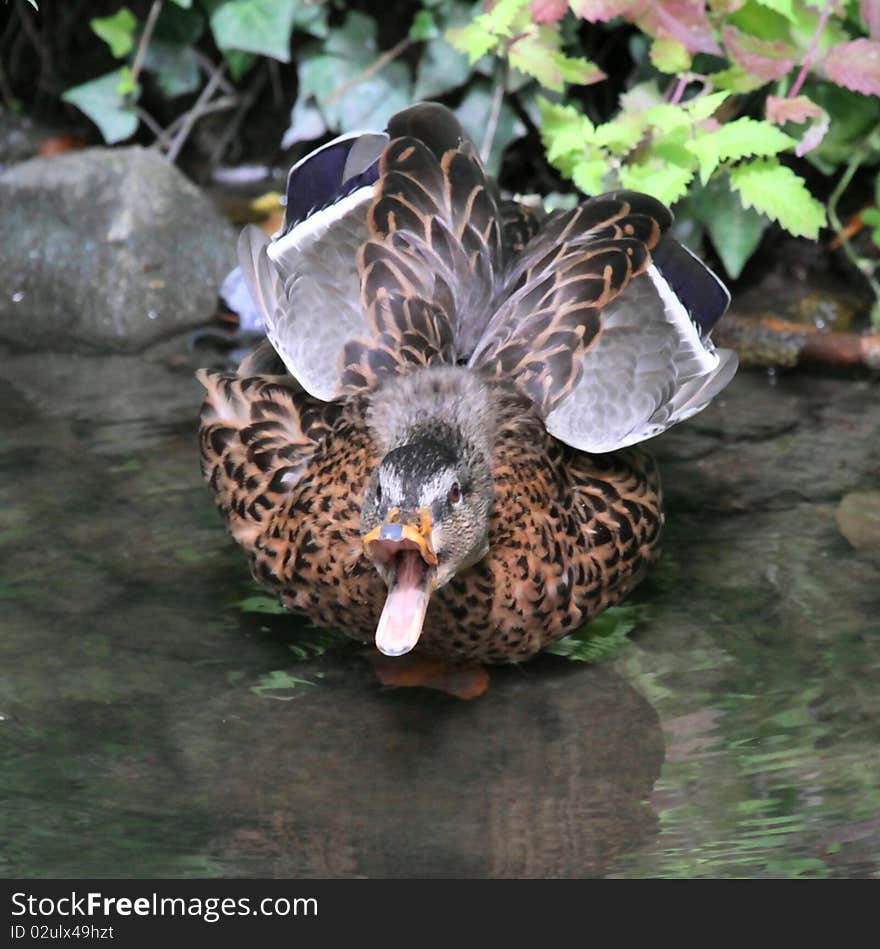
(438,445)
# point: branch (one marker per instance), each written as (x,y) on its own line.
(811,51)
(244,106)
(146,36)
(200,108)
(866,267)
(492,121)
(386,57)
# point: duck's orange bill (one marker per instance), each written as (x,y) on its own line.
(402,547)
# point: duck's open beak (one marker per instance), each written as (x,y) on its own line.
(402,551)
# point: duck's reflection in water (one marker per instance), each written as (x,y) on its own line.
(546,775)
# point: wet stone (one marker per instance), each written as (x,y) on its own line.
(106,250)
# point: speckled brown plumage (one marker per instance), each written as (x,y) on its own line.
(462,373)
(570,533)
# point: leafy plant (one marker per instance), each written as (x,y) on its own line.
(601,639)
(723,104)
(725,92)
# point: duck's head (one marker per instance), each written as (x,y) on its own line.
(425,518)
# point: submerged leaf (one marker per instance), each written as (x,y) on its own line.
(279,681)
(601,639)
(312,642)
(261,604)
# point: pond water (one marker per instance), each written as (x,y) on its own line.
(151,727)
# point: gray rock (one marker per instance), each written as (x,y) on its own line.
(106,250)
(20,138)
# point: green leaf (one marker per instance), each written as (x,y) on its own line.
(534,54)
(577,70)
(186,4)
(735,231)
(100,100)
(311,18)
(667,117)
(622,134)
(564,130)
(238,62)
(665,182)
(588,174)
(255,26)
(871,217)
(424,27)
(441,68)
(472,112)
(853,119)
(703,107)
(276,681)
(178,27)
(312,642)
(338,78)
(258,603)
(736,79)
(116,31)
(780,6)
(175,67)
(601,639)
(737,139)
(306,124)
(126,85)
(487,31)
(669,55)
(778,192)
(473,40)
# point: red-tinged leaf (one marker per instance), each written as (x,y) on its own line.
(601,11)
(766,59)
(683,20)
(813,135)
(870,10)
(855,65)
(548,11)
(58,144)
(800,109)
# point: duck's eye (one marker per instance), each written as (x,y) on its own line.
(454,495)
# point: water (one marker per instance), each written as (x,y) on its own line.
(150,727)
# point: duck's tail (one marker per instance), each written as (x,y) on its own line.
(256,434)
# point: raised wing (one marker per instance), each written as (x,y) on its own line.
(306,280)
(605,325)
(435,229)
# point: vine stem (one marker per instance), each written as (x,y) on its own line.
(386,57)
(864,266)
(494,115)
(811,51)
(196,112)
(680,86)
(146,36)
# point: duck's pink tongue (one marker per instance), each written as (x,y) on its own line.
(400,624)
